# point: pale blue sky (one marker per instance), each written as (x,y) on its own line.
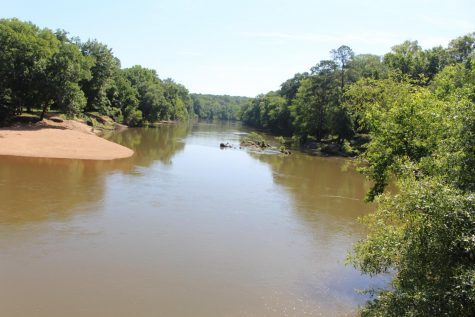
(245,47)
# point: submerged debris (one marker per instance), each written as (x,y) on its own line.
(226,145)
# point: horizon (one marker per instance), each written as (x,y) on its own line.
(248,48)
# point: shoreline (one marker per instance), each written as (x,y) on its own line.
(62,139)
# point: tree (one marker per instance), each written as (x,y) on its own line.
(436,59)
(316,95)
(424,234)
(408,58)
(269,112)
(67,67)
(366,66)
(289,88)
(342,56)
(125,98)
(150,90)
(42,69)
(250,112)
(179,103)
(105,65)
(455,86)
(461,49)
(402,123)
(224,107)
(25,54)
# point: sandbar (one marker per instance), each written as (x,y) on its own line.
(68,140)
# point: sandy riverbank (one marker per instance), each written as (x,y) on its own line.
(67,139)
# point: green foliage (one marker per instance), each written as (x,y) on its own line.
(124,97)
(268,111)
(317,96)
(309,105)
(179,103)
(132,116)
(461,49)
(348,149)
(316,105)
(72,100)
(289,88)
(403,124)
(424,235)
(342,57)
(455,87)
(408,58)
(42,69)
(103,69)
(211,107)
(280,140)
(366,66)
(26,52)
(66,69)
(309,109)
(255,139)
(159,100)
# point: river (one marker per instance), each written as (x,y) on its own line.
(183,228)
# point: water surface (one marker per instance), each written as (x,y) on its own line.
(183,228)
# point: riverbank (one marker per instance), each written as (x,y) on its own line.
(57,138)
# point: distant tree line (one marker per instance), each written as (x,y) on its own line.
(217,107)
(46,70)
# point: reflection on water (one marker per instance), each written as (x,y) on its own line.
(36,189)
(153,144)
(320,185)
(182,228)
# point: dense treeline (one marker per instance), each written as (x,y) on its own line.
(41,69)
(312,104)
(211,107)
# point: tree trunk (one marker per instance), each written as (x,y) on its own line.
(45,108)
(342,78)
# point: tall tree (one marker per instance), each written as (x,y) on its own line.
(407,58)
(152,102)
(178,100)
(67,67)
(462,49)
(366,66)
(342,56)
(125,98)
(26,51)
(105,65)
(316,94)
(289,88)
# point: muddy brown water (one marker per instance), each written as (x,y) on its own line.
(183,228)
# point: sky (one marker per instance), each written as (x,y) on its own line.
(245,47)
